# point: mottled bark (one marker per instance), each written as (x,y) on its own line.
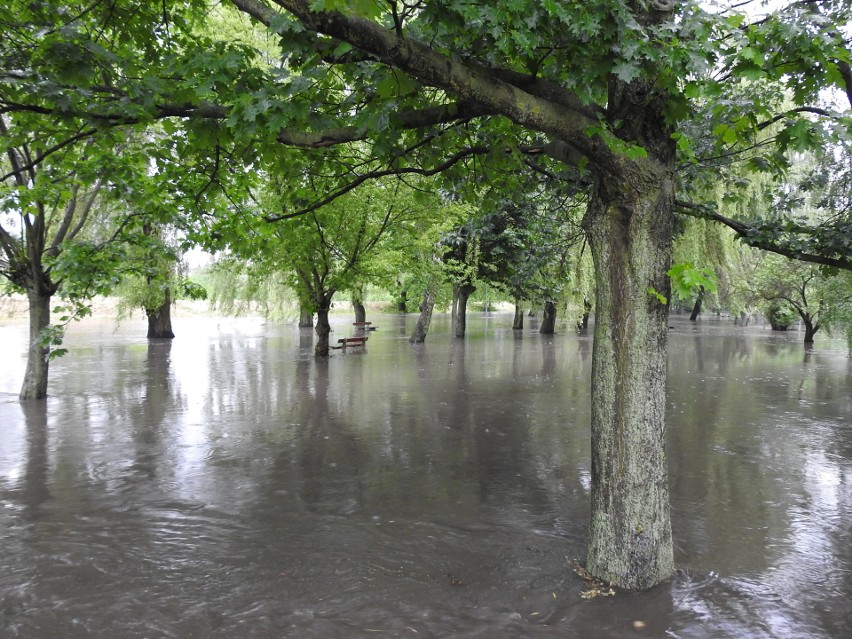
(629,226)
(421,329)
(160,320)
(548,320)
(322,328)
(360,311)
(306,315)
(38,355)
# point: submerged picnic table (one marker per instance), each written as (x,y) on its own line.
(365,326)
(351,341)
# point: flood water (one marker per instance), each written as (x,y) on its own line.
(227,485)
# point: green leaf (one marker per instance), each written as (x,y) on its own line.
(627,71)
(660,297)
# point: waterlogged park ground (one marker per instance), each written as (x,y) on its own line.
(227,484)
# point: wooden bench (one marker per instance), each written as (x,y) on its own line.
(365,326)
(351,341)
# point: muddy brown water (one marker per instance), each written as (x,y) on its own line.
(228,485)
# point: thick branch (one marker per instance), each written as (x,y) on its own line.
(413,119)
(743,230)
(468,82)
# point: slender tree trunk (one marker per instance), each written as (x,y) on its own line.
(548,320)
(629,226)
(35,378)
(696,309)
(460,324)
(160,320)
(426,307)
(584,321)
(518,320)
(402,300)
(306,315)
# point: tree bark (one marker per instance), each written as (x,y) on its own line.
(360,311)
(421,329)
(462,294)
(323,327)
(38,355)
(811,329)
(402,300)
(629,226)
(306,315)
(518,320)
(160,320)
(548,320)
(696,309)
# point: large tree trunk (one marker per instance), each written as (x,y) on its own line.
(629,226)
(548,320)
(322,328)
(35,378)
(306,315)
(426,307)
(462,293)
(358,307)
(810,329)
(160,320)
(518,320)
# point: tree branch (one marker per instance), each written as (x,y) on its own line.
(372,175)
(744,232)
(486,87)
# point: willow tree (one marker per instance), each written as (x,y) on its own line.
(572,91)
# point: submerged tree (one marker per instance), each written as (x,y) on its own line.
(57,237)
(154,279)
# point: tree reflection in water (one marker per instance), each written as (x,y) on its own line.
(228,484)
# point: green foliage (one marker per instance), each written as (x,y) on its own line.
(687,280)
(780,314)
(837,301)
(662,299)
(238,287)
